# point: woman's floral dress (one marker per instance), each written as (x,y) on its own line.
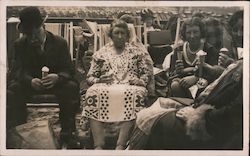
(117,101)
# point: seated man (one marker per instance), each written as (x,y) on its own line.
(34,50)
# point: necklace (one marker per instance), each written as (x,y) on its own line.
(186,50)
(194,52)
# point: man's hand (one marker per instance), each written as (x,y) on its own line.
(36,84)
(50,80)
(185,113)
(188,81)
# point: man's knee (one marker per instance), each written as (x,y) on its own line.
(70,86)
(15,94)
(69,92)
(14,87)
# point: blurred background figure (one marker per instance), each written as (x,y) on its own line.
(147,17)
(127,18)
(236,31)
(214,33)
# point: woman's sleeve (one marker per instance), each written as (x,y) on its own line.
(145,69)
(218,121)
(212,59)
(94,71)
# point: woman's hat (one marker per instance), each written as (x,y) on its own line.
(30,17)
(147,13)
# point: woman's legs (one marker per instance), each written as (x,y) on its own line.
(125,130)
(97,129)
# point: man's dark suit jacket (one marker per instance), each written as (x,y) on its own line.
(28,62)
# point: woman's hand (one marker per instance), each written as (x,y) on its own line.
(185,113)
(179,66)
(225,60)
(106,79)
(188,81)
(136,82)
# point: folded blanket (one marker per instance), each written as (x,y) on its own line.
(147,117)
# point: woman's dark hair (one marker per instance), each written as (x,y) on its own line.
(194,21)
(120,24)
(210,21)
(235,17)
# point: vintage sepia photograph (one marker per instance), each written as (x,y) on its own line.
(124,78)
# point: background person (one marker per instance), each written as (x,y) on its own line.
(236,31)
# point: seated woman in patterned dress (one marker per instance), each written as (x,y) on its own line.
(119,73)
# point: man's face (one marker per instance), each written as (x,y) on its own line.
(193,34)
(35,36)
(237,33)
(119,37)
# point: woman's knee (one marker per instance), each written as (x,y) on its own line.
(14,87)
(175,86)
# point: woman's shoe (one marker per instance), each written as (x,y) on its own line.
(120,147)
(98,148)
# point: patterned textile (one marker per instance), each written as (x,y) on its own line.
(130,64)
(118,101)
(112,103)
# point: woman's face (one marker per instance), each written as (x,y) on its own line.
(193,34)
(237,33)
(119,37)
(213,35)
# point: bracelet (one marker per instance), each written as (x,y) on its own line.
(96,80)
(93,80)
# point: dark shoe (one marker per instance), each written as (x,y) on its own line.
(68,140)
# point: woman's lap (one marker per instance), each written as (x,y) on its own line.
(114,103)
